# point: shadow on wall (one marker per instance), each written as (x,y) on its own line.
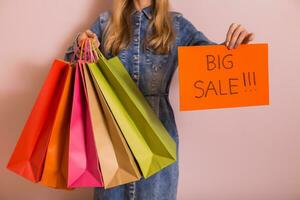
(15,109)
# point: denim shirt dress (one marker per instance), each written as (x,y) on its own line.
(152,73)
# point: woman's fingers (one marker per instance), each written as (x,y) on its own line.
(88,34)
(91,34)
(241,38)
(250,37)
(244,38)
(81,37)
(237,35)
(96,42)
(231,30)
(94,38)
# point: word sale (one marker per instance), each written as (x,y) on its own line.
(227,85)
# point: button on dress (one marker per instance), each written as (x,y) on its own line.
(152,72)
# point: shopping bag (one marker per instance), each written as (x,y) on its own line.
(28,156)
(116,160)
(83,165)
(55,173)
(149,141)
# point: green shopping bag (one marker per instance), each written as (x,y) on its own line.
(149,141)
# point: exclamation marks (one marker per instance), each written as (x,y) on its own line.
(249,81)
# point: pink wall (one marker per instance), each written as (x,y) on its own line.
(250,153)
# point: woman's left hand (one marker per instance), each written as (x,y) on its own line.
(237,35)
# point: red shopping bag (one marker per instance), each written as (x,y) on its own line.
(29,154)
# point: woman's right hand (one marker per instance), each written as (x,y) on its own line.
(88,34)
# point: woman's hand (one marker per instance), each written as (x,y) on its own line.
(237,35)
(88,34)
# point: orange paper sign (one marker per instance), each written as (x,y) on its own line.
(216,77)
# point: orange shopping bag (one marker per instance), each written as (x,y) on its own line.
(28,157)
(55,173)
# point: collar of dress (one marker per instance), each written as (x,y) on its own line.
(147,11)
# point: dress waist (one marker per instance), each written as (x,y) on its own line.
(166,94)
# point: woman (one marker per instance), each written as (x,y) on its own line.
(145,35)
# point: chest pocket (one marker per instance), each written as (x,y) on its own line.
(157,63)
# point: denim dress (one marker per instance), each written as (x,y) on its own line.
(152,73)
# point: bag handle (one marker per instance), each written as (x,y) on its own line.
(82,50)
(94,52)
(87,52)
(84,53)
(75,52)
(98,53)
(90,51)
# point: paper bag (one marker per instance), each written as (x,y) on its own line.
(149,141)
(83,166)
(28,157)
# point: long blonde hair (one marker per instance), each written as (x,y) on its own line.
(117,33)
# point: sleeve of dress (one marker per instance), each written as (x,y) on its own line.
(96,28)
(190,36)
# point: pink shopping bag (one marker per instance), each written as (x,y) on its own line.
(83,169)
